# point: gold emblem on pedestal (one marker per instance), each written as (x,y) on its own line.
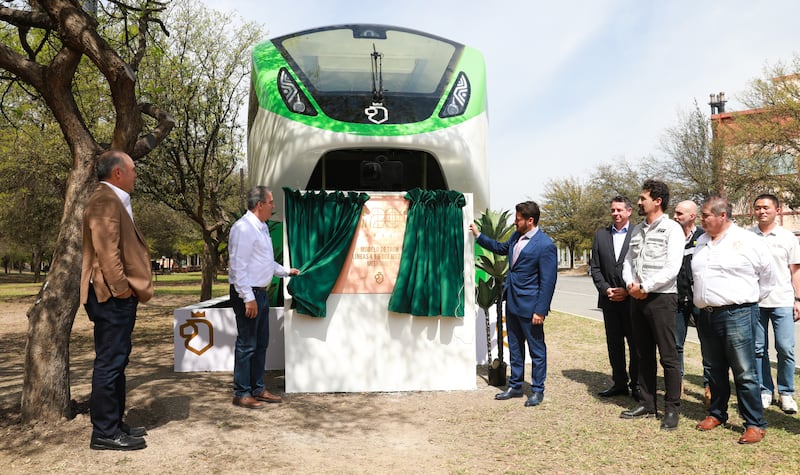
(192,328)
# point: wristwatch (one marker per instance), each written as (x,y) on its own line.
(797,299)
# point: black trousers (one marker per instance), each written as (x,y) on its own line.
(617,320)
(113,326)
(654,327)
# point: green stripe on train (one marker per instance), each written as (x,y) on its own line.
(267,61)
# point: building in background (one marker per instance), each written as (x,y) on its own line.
(755,150)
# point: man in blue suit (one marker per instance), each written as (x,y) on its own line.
(528,290)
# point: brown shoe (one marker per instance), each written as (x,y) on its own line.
(707,397)
(752,435)
(247,402)
(267,396)
(710,422)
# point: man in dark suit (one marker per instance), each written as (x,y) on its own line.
(686,214)
(529,288)
(609,248)
(115,277)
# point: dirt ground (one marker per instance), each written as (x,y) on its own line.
(193,426)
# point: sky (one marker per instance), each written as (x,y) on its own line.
(577,84)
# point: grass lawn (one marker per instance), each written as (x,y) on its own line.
(14,285)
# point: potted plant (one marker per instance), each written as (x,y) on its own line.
(489,290)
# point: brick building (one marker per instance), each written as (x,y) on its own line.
(772,163)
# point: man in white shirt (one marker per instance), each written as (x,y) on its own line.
(732,270)
(650,270)
(251,268)
(782,305)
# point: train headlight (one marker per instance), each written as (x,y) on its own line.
(292,96)
(458,99)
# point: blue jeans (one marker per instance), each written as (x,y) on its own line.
(783,327)
(520,331)
(728,342)
(681,324)
(250,356)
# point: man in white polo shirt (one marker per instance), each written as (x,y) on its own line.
(782,305)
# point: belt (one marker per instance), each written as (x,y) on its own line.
(723,308)
(263,289)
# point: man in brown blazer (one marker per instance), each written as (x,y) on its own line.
(115,276)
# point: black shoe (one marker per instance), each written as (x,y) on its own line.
(121,441)
(134,431)
(508,394)
(535,399)
(613,391)
(670,421)
(637,412)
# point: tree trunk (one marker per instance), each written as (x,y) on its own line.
(36,264)
(208,266)
(46,388)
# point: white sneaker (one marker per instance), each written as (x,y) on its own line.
(766,400)
(787,404)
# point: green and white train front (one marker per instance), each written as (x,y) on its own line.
(368,108)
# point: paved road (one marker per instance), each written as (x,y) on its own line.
(578,296)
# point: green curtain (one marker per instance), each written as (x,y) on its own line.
(430,281)
(320,227)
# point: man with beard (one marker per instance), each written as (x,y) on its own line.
(650,271)
(529,288)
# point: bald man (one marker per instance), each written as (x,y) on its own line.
(686,215)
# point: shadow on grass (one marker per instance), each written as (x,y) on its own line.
(692,406)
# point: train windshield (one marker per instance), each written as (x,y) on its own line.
(341,59)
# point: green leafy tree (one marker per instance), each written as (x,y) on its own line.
(168,231)
(617,177)
(33,176)
(568,215)
(43,44)
(193,171)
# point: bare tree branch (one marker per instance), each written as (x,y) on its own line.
(148,142)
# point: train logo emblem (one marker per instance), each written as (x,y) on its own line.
(376,113)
